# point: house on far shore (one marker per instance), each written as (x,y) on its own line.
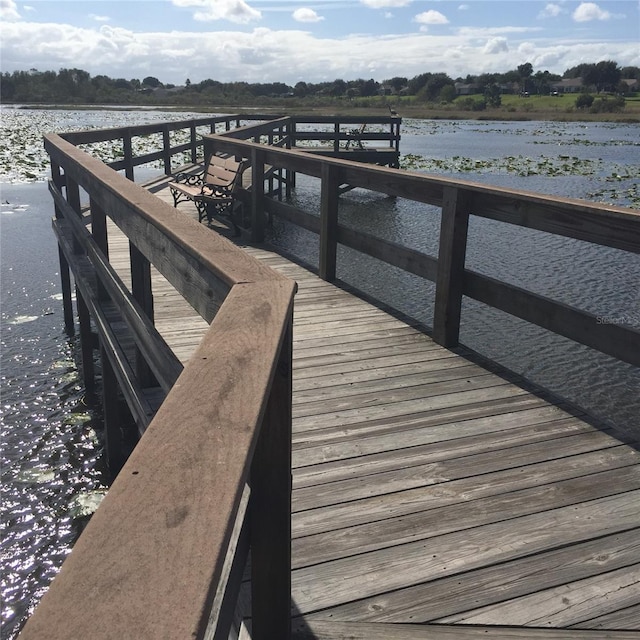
(632,83)
(574,85)
(463,89)
(569,85)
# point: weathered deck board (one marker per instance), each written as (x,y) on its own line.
(429,488)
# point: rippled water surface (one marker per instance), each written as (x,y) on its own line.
(52,476)
(49,451)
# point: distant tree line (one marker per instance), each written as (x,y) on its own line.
(74,86)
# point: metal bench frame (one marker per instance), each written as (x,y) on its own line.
(212,190)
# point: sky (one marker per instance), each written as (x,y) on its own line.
(313,41)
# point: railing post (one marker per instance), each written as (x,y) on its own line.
(65,273)
(99,232)
(194,146)
(328,222)
(86,342)
(111,416)
(290,175)
(166,149)
(271,508)
(257,195)
(127,148)
(336,140)
(142,292)
(84,318)
(451,256)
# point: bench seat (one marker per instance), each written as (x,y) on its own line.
(212,190)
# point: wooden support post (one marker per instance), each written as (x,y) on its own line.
(67,305)
(99,232)
(141,290)
(166,149)
(257,195)
(73,198)
(111,416)
(336,140)
(456,205)
(128,155)
(329,192)
(86,343)
(271,508)
(194,145)
(65,273)
(289,175)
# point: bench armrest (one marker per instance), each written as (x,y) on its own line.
(192,179)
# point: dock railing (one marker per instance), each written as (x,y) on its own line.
(163,555)
(458,200)
(210,479)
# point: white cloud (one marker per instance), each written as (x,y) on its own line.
(495,45)
(97,18)
(381,4)
(463,7)
(9,10)
(431,17)
(237,11)
(588,11)
(550,11)
(305,14)
(257,55)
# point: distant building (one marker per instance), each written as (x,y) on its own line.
(463,89)
(569,85)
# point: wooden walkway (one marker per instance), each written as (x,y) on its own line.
(430,489)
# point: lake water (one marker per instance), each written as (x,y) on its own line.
(52,475)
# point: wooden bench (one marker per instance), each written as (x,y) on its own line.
(212,190)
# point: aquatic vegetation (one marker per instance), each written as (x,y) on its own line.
(630,195)
(23,158)
(85,503)
(518,165)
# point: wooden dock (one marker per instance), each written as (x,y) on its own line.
(431,489)
(318,463)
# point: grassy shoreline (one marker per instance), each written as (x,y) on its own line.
(560,109)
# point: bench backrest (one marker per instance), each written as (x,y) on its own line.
(223,171)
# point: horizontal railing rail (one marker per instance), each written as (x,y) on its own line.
(458,200)
(280,130)
(210,478)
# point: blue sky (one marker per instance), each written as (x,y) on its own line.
(287,41)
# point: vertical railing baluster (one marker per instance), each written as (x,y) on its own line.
(127,147)
(166,149)
(86,342)
(270,510)
(84,319)
(65,272)
(456,205)
(141,289)
(194,147)
(257,195)
(328,222)
(111,416)
(99,231)
(289,174)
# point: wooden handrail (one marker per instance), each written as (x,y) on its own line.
(160,557)
(601,224)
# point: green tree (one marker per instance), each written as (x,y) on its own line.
(492,95)
(525,71)
(605,75)
(584,101)
(152,82)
